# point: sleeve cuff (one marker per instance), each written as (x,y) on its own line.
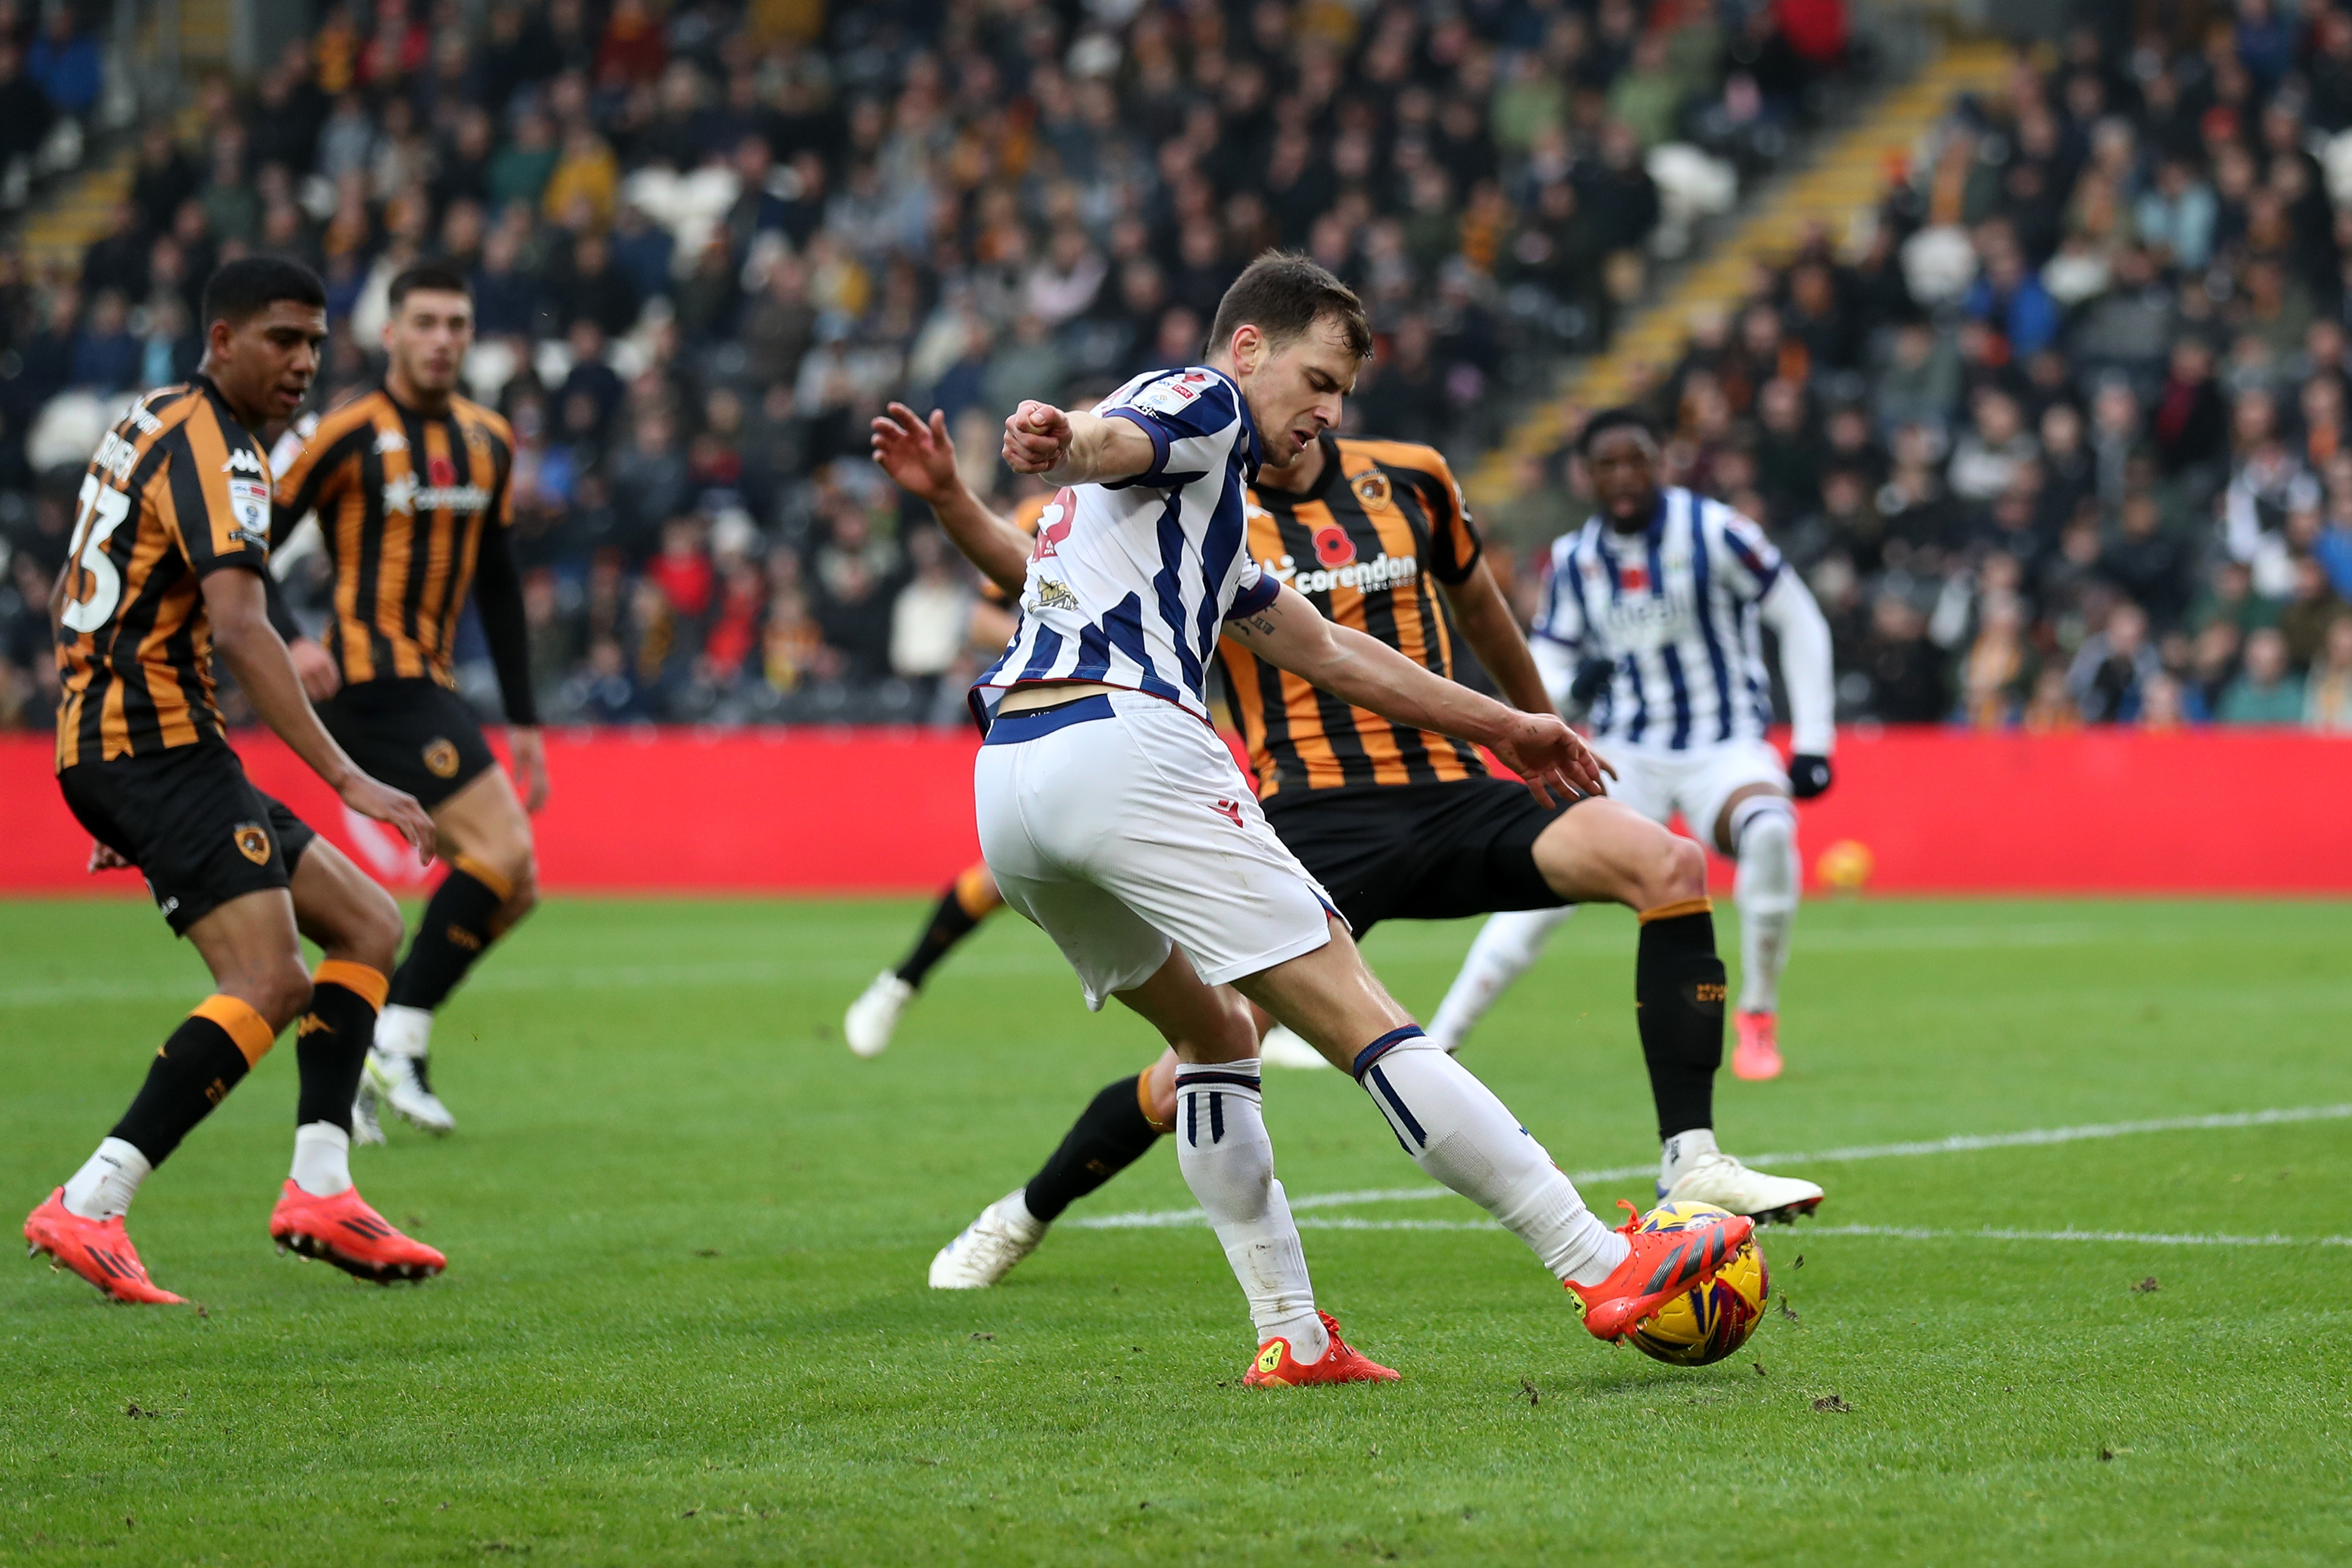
(1159,449)
(1264,592)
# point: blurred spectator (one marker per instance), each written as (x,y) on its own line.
(2327,700)
(66,62)
(26,111)
(2112,668)
(929,620)
(2266,691)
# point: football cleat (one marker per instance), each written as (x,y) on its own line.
(97,1250)
(873,1019)
(345,1232)
(400,1083)
(1003,1234)
(1714,1178)
(365,1127)
(1659,1267)
(1342,1362)
(1756,1055)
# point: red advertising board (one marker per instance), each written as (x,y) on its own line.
(847,811)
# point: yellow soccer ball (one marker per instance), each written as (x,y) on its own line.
(1709,1321)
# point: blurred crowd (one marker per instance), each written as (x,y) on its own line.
(2065,440)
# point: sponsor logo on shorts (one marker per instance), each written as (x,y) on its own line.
(1052,595)
(252,842)
(441,758)
(1372,490)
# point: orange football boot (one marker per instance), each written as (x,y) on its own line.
(1275,1367)
(97,1250)
(1756,1055)
(1661,1266)
(343,1231)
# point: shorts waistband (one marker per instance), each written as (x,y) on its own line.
(1012,729)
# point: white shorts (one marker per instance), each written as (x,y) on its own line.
(1695,782)
(1119,824)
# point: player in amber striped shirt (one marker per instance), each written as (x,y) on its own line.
(167,565)
(1395,822)
(410,483)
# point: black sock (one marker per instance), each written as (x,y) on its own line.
(193,1073)
(1678,992)
(1110,1135)
(950,923)
(455,928)
(331,1043)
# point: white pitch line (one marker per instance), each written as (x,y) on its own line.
(1957,1144)
(1904,1233)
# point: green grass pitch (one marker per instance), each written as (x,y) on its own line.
(685,1318)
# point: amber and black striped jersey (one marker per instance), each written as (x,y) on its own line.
(1384,519)
(178,491)
(403,499)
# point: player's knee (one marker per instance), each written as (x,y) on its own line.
(523,881)
(280,990)
(1677,872)
(1159,1093)
(371,930)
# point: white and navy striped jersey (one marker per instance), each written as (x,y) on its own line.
(1674,609)
(1131,583)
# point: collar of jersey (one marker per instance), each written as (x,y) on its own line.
(1615,541)
(1290,500)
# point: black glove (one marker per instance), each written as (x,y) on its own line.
(1591,676)
(1807,776)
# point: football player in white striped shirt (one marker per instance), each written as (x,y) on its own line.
(1649,620)
(1113,817)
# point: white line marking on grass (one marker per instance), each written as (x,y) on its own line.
(1957,1144)
(1902,1232)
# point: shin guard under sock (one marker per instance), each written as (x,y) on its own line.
(331,1043)
(1456,1131)
(1110,1135)
(1770,880)
(208,1055)
(1679,995)
(455,928)
(1228,1161)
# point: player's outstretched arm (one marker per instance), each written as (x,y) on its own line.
(1292,635)
(235,605)
(1071,449)
(1788,607)
(920,456)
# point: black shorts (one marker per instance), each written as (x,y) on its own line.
(193,823)
(1421,851)
(414,735)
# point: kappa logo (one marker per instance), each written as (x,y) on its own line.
(252,842)
(441,758)
(1231,810)
(313,1023)
(243,460)
(391,441)
(1052,595)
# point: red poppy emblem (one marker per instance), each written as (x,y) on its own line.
(1332,545)
(441,472)
(1635,577)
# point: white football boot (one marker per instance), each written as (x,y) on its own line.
(873,1019)
(1717,1178)
(1003,1234)
(1282,1048)
(400,1082)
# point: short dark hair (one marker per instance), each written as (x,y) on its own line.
(1623,418)
(433,277)
(241,290)
(1282,295)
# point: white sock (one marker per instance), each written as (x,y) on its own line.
(1680,1152)
(322,1159)
(1228,1161)
(1013,1209)
(1764,831)
(1456,1129)
(403,1031)
(107,1181)
(1508,943)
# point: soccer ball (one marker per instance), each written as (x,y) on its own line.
(1709,1321)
